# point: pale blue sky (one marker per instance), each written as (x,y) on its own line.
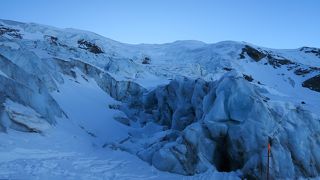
(270,23)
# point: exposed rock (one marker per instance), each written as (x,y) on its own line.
(304,71)
(227,69)
(252,52)
(10,32)
(277,62)
(311,50)
(312,83)
(146,60)
(248,77)
(91,47)
(52,39)
(301,71)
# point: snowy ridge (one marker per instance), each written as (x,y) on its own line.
(196,109)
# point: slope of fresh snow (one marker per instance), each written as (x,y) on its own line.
(296,55)
(283,85)
(88,105)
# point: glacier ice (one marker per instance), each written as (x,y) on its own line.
(225,125)
(188,108)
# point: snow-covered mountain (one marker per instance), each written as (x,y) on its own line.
(76,105)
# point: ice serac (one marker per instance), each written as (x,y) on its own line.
(225,125)
(28,91)
(120,90)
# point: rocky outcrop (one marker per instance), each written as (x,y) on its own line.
(311,50)
(252,53)
(304,71)
(51,39)
(14,33)
(146,60)
(277,62)
(89,46)
(312,83)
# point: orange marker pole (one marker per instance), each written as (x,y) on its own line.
(269,150)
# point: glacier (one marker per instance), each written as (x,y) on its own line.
(77,105)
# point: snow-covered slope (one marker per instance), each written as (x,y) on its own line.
(195,109)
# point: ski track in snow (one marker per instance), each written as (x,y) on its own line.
(69,165)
